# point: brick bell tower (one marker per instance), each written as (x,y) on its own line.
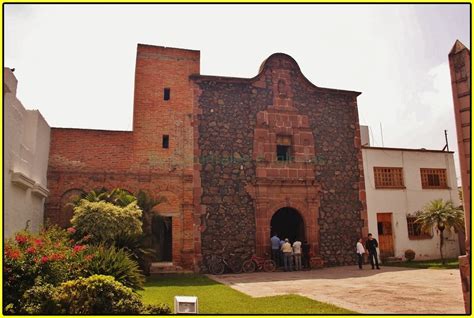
(156,156)
(163,139)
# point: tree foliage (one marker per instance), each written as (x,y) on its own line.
(116,196)
(104,222)
(443,216)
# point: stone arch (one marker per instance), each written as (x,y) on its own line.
(65,206)
(292,204)
(300,207)
(307,207)
(288,223)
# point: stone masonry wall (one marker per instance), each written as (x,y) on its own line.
(225,141)
(334,119)
(229,108)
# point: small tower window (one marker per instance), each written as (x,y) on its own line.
(167,94)
(283,148)
(166,141)
(283,153)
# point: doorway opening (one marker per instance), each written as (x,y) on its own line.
(288,223)
(384,229)
(162,229)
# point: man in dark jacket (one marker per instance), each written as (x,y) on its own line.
(371,246)
(305,247)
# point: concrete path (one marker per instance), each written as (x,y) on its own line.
(391,290)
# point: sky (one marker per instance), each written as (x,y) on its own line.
(76,63)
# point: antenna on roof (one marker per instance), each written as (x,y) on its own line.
(446,146)
(381,133)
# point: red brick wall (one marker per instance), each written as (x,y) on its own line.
(158,68)
(82,160)
(90,150)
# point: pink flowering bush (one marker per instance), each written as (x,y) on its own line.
(45,258)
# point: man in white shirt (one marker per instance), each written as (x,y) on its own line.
(297,254)
(360,253)
(287,251)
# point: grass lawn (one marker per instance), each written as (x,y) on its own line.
(436,264)
(216,298)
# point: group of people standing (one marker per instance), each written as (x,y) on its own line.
(286,254)
(371,245)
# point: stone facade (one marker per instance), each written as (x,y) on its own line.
(221,170)
(243,183)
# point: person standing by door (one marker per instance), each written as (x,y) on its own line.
(371,246)
(305,247)
(282,261)
(287,251)
(360,253)
(297,254)
(275,240)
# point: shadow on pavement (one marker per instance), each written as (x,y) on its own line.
(340,272)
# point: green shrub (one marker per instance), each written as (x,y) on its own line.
(97,294)
(104,222)
(410,255)
(40,299)
(161,309)
(139,252)
(114,262)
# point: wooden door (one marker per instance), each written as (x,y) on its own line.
(384,227)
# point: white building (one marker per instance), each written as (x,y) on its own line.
(26,152)
(398,183)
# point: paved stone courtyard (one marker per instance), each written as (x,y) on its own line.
(391,290)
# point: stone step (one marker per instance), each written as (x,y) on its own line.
(393,259)
(167,268)
(316,262)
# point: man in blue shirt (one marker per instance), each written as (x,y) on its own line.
(275,248)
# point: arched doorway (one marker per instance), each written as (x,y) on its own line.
(288,223)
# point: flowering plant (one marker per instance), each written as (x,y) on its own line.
(48,257)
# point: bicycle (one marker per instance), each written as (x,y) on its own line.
(218,264)
(258,263)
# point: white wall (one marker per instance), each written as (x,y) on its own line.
(26,152)
(401,202)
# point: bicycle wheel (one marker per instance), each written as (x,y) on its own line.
(217,268)
(249,266)
(235,265)
(269,266)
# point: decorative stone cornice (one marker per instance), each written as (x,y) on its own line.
(21,180)
(40,191)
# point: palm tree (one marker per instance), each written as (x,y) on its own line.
(120,197)
(117,197)
(147,203)
(442,215)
